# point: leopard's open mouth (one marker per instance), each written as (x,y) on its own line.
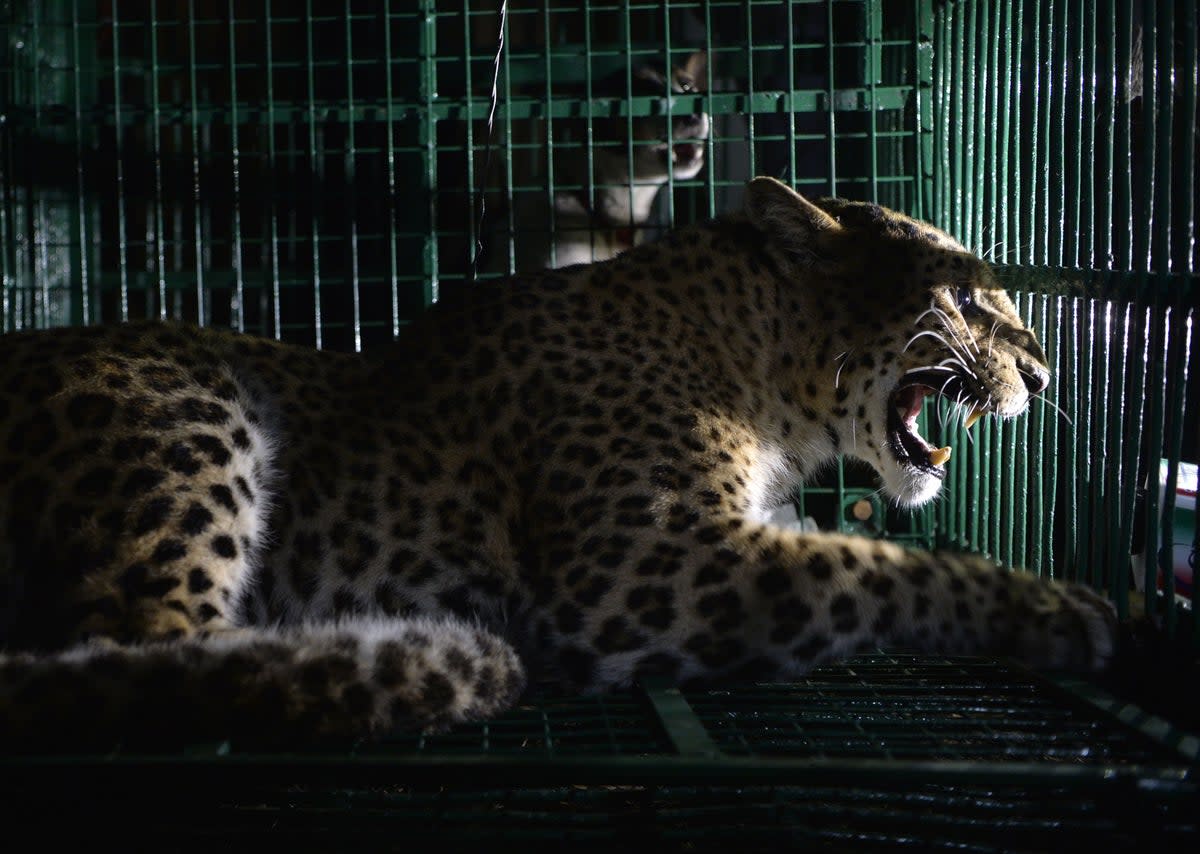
(904,407)
(686,153)
(682,154)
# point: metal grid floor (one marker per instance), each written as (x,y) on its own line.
(885,752)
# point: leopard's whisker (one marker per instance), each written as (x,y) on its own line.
(963,359)
(941,366)
(923,314)
(946,324)
(965,411)
(949,324)
(955,366)
(987,255)
(1047,402)
(941,409)
(837,378)
(992,337)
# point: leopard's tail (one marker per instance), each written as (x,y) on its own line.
(292,686)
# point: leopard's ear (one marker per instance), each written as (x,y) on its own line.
(791,221)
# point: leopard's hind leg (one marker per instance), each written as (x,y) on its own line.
(133,509)
(293,686)
(143,520)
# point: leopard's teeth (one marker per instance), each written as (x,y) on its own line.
(975,414)
(939,456)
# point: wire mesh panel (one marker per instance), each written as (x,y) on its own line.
(636,815)
(307,166)
(319,171)
(820,93)
(1067,146)
(551,727)
(825,94)
(244,165)
(899,707)
(885,751)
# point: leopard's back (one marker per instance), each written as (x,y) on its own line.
(567,474)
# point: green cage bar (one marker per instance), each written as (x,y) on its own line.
(258,166)
(886,751)
(1092,198)
(224,165)
(315,172)
(321,172)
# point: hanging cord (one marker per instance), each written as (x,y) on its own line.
(481,190)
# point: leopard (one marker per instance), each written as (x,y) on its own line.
(594,217)
(561,480)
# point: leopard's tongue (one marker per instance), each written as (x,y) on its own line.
(908,407)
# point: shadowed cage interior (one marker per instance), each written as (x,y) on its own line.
(320,172)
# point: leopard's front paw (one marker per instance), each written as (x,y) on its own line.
(1059,626)
(1094,620)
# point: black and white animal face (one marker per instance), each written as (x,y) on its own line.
(660,149)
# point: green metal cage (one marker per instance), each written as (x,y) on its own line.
(1069,159)
(888,752)
(320,171)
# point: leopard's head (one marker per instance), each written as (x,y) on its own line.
(915,317)
(659,151)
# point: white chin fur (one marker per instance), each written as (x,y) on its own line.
(909,487)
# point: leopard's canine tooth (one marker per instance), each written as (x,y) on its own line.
(939,456)
(974,415)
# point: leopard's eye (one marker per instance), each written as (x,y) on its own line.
(964,296)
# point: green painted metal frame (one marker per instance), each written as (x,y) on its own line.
(262,107)
(883,718)
(1002,121)
(961,114)
(893,750)
(1085,97)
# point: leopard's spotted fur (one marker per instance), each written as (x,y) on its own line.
(567,474)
